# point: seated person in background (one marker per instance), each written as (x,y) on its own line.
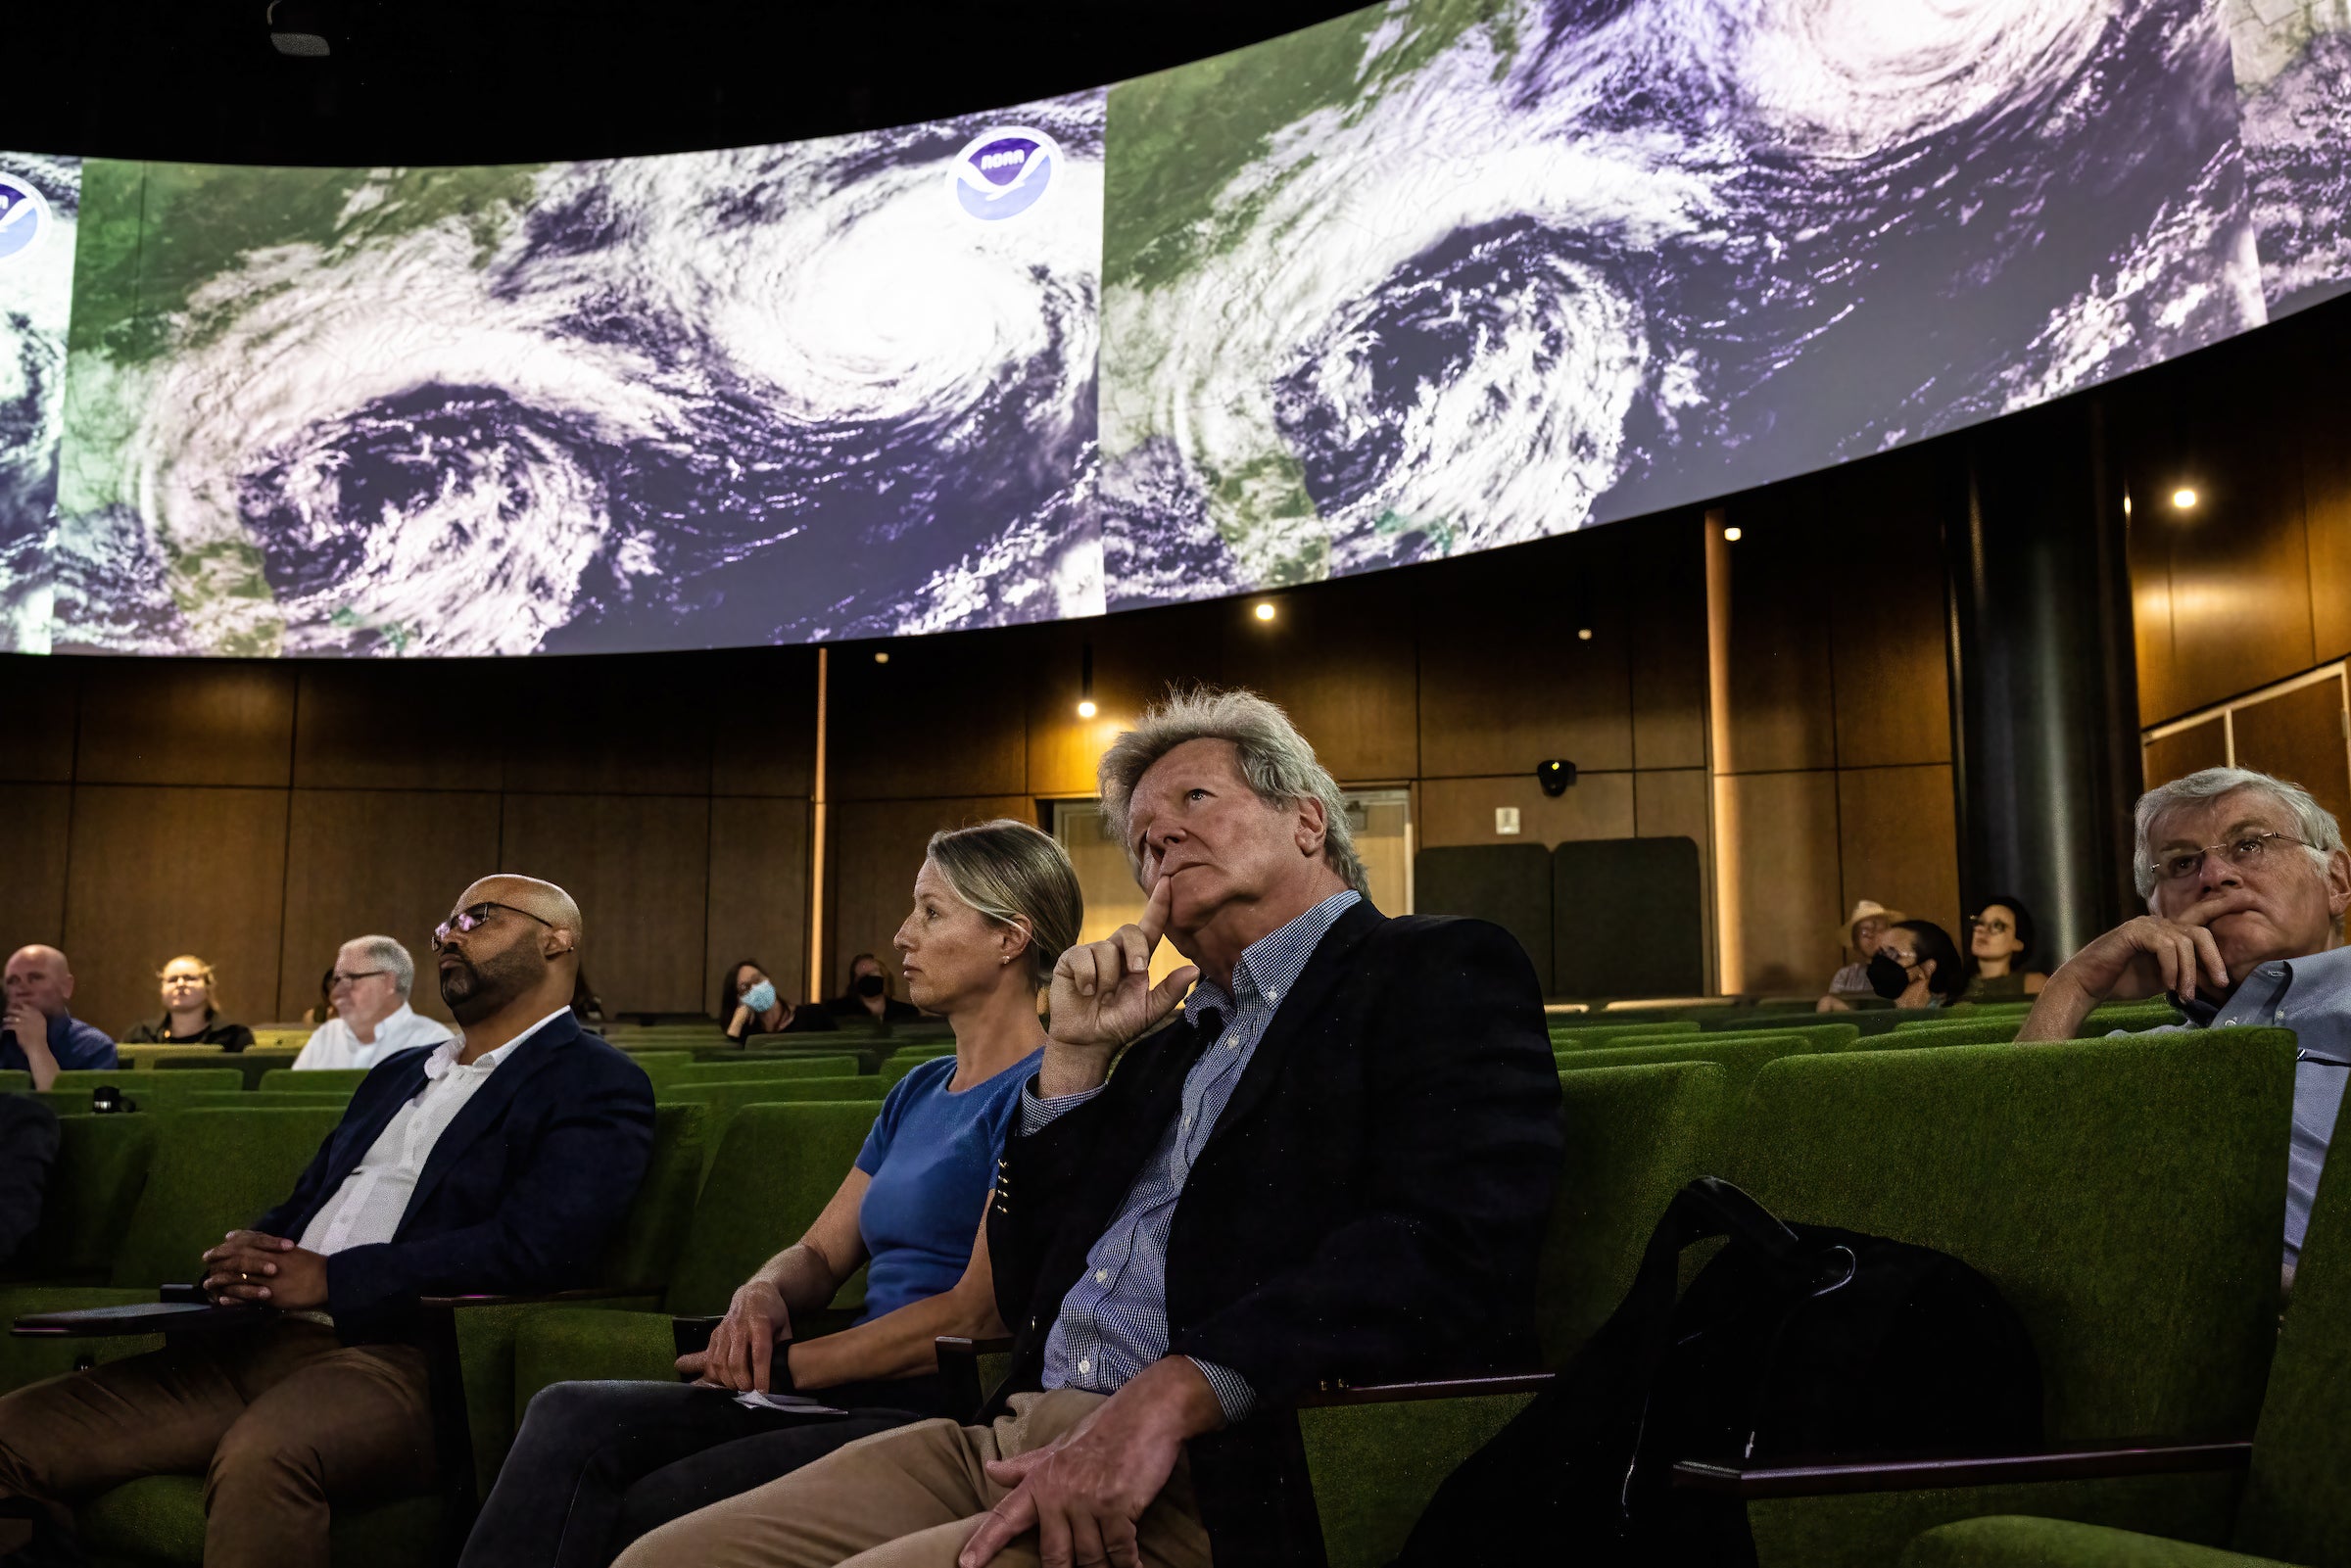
(315,1016)
(867,997)
(536,1135)
(1287,1186)
(587,1007)
(2246,882)
(598,1464)
(191,1015)
(372,1021)
(27,1153)
(749,1004)
(1917,965)
(38,1033)
(1862,931)
(1999,953)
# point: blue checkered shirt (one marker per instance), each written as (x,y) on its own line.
(1114,1321)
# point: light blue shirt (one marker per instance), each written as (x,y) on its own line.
(1114,1321)
(2312,996)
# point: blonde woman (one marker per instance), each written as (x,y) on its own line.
(598,1464)
(191,1014)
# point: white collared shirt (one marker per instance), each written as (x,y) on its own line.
(333,1045)
(372,1200)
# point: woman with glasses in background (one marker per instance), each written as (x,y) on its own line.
(2000,953)
(191,1013)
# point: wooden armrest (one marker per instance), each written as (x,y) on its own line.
(554,1298)
(181,1293)
(692,1334)
(959,1346)
(1785,1478)
(1454,1387)
(145,1317)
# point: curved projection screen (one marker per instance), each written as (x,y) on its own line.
(1432,277)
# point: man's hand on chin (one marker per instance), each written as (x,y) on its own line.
(1084,1493)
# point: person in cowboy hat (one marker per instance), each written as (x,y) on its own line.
(1859,937)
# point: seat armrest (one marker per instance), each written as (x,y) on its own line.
(146,1318)
(1457,1388)
(959,1370)
(181,1293)
(555,1298)
(1787,1478)
(692,1334)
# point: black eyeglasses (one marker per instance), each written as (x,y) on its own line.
(351,976)
(467,920)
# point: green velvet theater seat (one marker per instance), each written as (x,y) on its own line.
(1742,1055)
(313,1079)
(248,1065)
(744,1067)
(232,1098)
(160,1520)
(1955,1031)
(1634,1136)
(100,1170)
(2295,1505)
(2126,1195)
(212,1172)
(776,1167)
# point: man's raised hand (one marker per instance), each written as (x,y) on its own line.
(1102,992)
(2153,954)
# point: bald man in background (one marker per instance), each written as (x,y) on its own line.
(496,1163)
(38,1031)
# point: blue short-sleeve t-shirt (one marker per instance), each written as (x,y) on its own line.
(931,1158)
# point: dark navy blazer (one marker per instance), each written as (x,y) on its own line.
(521,1194)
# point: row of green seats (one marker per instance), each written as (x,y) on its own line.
(2124,1195)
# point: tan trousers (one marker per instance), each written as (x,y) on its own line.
(280,1421)
(905,1498)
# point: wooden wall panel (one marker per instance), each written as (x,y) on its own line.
(2298,735)
(1778,855)
(2179,754)
(946,714)
(1890,641)
(401,724)
(643,725)
(162,871)
(876,847)
(187,722)
(1677,803)
(1136,659)
(1664,584)
(2149,554)
(1506,682)
(40,714)
(1340,661)
(637,864)
(764,702)
(1461,810)
(1781,715)
(758,890)
(376,862)
(1898,843)
(2323,418)
(32,880)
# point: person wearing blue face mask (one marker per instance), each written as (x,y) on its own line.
(751,1004)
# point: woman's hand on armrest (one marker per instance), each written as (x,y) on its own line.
(903,1343)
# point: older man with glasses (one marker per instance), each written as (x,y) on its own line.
(370,987)
(2247,881)
(498,1162)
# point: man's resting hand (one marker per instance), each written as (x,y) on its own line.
(248,1267)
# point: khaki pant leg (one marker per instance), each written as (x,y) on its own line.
(342,1425)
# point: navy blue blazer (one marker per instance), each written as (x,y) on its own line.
(521,1194)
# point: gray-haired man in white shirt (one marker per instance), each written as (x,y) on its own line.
(370,985)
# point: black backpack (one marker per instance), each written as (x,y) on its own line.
(1800,1341)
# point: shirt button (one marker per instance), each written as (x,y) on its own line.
(1101,1275)
(1273,996)
(1086,1367)
(1187,1121)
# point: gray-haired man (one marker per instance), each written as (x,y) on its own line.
(2247,881)
(372,1018)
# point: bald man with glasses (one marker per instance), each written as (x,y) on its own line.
(500,1162)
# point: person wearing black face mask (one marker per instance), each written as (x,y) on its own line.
(1917,965)
(868,996)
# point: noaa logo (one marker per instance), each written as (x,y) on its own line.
(23,219)
(1004,172)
